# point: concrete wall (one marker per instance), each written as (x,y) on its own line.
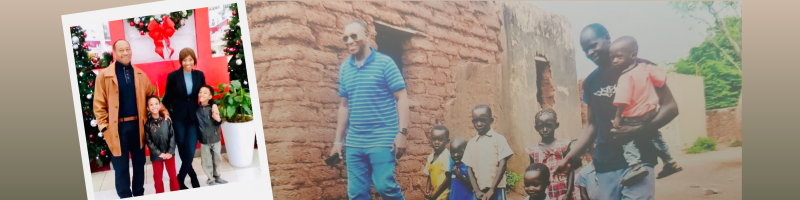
(529,32)
(690,124)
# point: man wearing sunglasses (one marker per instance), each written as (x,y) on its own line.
(373,117)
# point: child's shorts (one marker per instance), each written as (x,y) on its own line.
(636,121)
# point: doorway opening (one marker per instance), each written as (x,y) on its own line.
(545,93)
(390,40)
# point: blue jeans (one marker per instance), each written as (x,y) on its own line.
(663,149)
(186,139)
(610,186)
(632,155)
(368,166)
(129,145)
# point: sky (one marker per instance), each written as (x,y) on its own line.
(663,35)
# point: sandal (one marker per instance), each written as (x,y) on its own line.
(635,175)
(669,170)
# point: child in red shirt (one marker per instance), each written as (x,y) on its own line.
(637,101)
(550,151)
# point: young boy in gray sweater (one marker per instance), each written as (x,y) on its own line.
(210,139)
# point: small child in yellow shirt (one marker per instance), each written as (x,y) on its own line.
(439,165)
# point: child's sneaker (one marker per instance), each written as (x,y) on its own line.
(636,174)
(211,182)
(220,181)
(669,169)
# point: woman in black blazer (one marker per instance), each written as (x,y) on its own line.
(181,96)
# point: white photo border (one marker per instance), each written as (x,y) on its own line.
(252,189)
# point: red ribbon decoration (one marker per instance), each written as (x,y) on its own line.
(161,34)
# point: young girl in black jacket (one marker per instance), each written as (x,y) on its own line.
(161,141)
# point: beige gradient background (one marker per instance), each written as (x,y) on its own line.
(41,157)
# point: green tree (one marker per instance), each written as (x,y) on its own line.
(717,61)
(719,11)
(96,146)
(721,48)
(234,46)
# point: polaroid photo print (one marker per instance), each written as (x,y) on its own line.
(166,102)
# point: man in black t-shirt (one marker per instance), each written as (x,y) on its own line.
(598,90)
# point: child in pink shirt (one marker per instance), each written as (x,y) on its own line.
(637,101)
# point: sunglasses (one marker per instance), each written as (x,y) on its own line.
(352,36)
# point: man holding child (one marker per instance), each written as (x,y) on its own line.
(608,155)
(372,119)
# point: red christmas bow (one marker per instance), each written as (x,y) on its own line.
(161,34)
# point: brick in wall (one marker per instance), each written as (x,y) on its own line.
(291,31)
(328,37)
(721,124)
(321,18)
(419,43)
(275,52)
(286,10)
(338,6)
(422,12)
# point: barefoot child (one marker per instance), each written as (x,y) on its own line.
(460,187)
(636,102)
(586,180)
(161,142)
(550,151)
(438,165)
(536,180)
(209,120)
(486,156)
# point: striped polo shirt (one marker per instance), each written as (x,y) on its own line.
(369,90)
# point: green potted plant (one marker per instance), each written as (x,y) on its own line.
(238,129)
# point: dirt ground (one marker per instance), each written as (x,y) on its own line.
(720,170)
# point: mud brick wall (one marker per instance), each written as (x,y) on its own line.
(723,125)
(297,48)
(584,107)
(538,72)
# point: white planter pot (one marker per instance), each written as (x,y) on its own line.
(239,140)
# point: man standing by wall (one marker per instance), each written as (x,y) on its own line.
(372,119)
(119,105)
(598,90)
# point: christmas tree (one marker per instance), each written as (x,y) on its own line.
(96,146)
(233,46)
